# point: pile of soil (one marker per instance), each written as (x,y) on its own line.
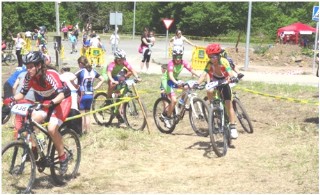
(283,59)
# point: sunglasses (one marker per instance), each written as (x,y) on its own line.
(214,56)
(177,57)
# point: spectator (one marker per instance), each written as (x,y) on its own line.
(19,43)
(73,41)
(65,33)
(146,53)
(95,42)
(70,79)
(179,39)
(86,78)
(8,85)
(28,35)
(3,45)
(114,41)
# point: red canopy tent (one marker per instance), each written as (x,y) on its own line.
(295,29)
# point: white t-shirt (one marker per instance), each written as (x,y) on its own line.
(67,77)
(114,39)
(94,42)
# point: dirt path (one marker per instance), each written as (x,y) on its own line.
(281,156)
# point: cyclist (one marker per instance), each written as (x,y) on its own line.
(218,69)
(110,74)
(170,78)
(54,96)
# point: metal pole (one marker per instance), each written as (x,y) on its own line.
(57,18)
(248,37)
(116,28)
(167,35)
(134,20)
(315,48)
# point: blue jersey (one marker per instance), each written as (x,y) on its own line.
(86,79)
(12,79)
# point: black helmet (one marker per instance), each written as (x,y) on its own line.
(33,57)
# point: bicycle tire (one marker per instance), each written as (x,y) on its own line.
(242,115)
(218,135)
(102,117)
(10,58)
(199,116)
(73,148)
(18,177)
(159,107)
(133,115)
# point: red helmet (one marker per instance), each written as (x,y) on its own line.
(213,48)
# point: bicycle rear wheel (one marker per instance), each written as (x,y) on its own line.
(218,136)
(73,149)
(198,116)
(18,168)
(102,117)
(242,115)
(159,107)
(133,115)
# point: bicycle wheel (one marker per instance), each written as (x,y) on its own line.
(198,116)
(10,58)
(242,115)
(160,106)
(73,149)
(218,137)
(18,168)
(133,115)
(102,117)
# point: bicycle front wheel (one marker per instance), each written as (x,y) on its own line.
(160,106)
(218,136)
(18,168)
(242,115)
(72,148)
(133,114)
(102,117)
(198,116)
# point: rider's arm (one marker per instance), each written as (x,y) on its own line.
(104,72)
(189,42)
(171,77)
(202,77)
(100,82)
(15,85)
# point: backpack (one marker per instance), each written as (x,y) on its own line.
(74,124)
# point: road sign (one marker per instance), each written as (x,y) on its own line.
(116,18)
(315,13)
(167,22)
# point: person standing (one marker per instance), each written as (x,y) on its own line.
(19,43)
(146,53)
(179,39)
(114,41)
(73,40)
(8,85)
(86,77)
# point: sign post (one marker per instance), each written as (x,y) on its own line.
(167,22)
(116,19)
(315,17)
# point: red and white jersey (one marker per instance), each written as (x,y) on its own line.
(48,88)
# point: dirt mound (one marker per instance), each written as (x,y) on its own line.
(279,58)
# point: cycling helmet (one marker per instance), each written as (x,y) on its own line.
(33,57)
(177,50)
(213,48)
(120,54)
(42,29)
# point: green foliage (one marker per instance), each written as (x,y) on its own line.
(261,49)
(307,52)
(205,19)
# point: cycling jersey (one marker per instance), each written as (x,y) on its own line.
(115,69)
(47,91)
(86,79)
(225,69)
(176,70)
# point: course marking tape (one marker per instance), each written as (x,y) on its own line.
(279,97)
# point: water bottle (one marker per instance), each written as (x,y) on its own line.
(41,140)
(181,101)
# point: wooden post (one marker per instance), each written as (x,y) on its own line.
(144,114)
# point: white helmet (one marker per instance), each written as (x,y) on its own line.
(119,53)
(177,50)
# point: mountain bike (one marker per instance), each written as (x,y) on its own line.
(198,111)
(124,102)
(240,112)
(8,56)
(19,161)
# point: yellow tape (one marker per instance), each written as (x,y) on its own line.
(279,97)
